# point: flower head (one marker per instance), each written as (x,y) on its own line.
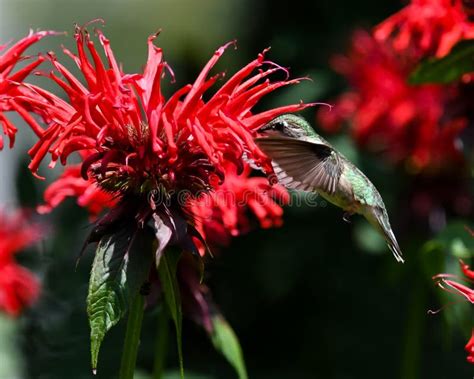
(428,27)
(18,287)
(132,139)
(9,81)
(141,151)
(389,115)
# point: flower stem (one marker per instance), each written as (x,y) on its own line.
(414,330)
(161,347)
(132,338)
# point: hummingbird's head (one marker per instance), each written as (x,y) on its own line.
(288,125)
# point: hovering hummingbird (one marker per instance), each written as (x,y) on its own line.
(303,160)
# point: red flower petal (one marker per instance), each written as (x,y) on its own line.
(9,84)
(470,349)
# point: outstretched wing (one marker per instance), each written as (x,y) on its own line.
(303,165)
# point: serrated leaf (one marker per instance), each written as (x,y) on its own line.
(448,69)
(226,342)
(121,265)
(167,273)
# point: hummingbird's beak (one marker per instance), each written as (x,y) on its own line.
(274,127)
(265,128)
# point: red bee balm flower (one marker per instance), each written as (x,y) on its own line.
(445,282)
(428,27)
(133,140)
(141,155)
(140,150)
(9,84)
(18,287)
(387,114)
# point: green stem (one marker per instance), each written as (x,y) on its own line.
(161,347)
(132,338)
(414,328)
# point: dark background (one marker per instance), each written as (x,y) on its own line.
(317,298)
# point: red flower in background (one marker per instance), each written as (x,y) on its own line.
(428,27)
(446,282)
(18,287)
(228,211)
(387,114)
(9,84)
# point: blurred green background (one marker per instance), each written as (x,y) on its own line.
(317,298)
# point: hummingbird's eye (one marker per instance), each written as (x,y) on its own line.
(280,126)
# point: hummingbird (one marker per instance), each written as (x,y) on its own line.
(305,161)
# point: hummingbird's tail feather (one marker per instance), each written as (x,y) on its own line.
(393,246)
(392,242)
(383,224)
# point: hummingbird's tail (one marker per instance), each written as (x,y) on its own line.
(379,218)
(393,245)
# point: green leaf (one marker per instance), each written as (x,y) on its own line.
(447,69)
(121,266)
(226,342)
(167,273)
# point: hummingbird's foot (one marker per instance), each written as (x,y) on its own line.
(347,217)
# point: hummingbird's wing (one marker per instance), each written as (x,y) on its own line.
(303,165)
